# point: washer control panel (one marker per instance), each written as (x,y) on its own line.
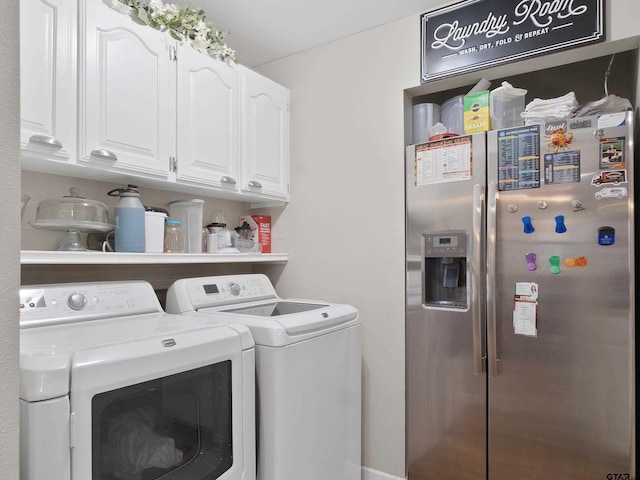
(206,292)
(64,303)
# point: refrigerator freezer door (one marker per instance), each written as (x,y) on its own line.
(446,409)
(560,395)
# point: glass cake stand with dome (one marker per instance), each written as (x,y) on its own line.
(74,215)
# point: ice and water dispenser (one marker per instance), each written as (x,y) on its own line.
(445,269)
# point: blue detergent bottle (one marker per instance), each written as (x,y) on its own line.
(129,218)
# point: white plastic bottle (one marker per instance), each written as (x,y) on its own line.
(129,216)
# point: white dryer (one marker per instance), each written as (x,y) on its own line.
(113,388)
(308,370)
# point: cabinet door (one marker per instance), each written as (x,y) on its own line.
(265,136)
(127,93)
(208,120)
(48,78)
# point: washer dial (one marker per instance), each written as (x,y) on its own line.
(234,288)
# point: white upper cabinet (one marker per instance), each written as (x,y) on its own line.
(107,98)
(48,78)
(208,120)
(265,136)
(126,93)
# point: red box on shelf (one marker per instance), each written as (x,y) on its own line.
(260,230)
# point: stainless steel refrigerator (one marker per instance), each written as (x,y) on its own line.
(520,303)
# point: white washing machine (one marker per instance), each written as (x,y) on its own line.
(113,388)
(308,370)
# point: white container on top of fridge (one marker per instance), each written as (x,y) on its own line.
(506,103)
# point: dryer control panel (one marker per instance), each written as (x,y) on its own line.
(74,302)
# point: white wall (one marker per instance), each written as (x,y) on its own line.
(344,228)
(9,239)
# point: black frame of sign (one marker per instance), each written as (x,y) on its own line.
(476,34)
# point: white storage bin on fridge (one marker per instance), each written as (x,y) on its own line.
(506,103)
(189,213)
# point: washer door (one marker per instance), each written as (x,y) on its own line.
(167,408)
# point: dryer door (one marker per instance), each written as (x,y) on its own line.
(170,408)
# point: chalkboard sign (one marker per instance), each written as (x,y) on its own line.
(475,34)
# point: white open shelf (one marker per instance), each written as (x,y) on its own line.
(37,257)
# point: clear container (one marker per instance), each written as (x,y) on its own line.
(425,116)
(506,103)
(452,115)
(174,238)
(189,213)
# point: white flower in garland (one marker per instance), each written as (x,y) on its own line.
(182,23)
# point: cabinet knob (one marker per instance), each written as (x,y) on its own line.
(255,184)
(46,140)
(225,179)
(104,154)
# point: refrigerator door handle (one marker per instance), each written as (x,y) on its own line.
(476,280)
(492,341)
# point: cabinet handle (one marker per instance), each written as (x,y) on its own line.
(46,140)
(255,184)
(228,180)
(104,154)
(173,53)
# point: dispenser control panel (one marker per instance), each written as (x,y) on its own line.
(445,244)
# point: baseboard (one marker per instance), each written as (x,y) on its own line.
(371,474)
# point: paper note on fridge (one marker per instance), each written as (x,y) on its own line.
(443,161)
(526,291)
(525,310)
(524,319)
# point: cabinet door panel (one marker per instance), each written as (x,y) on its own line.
(265,143)
(47,73)
(208,120)
(127,93)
